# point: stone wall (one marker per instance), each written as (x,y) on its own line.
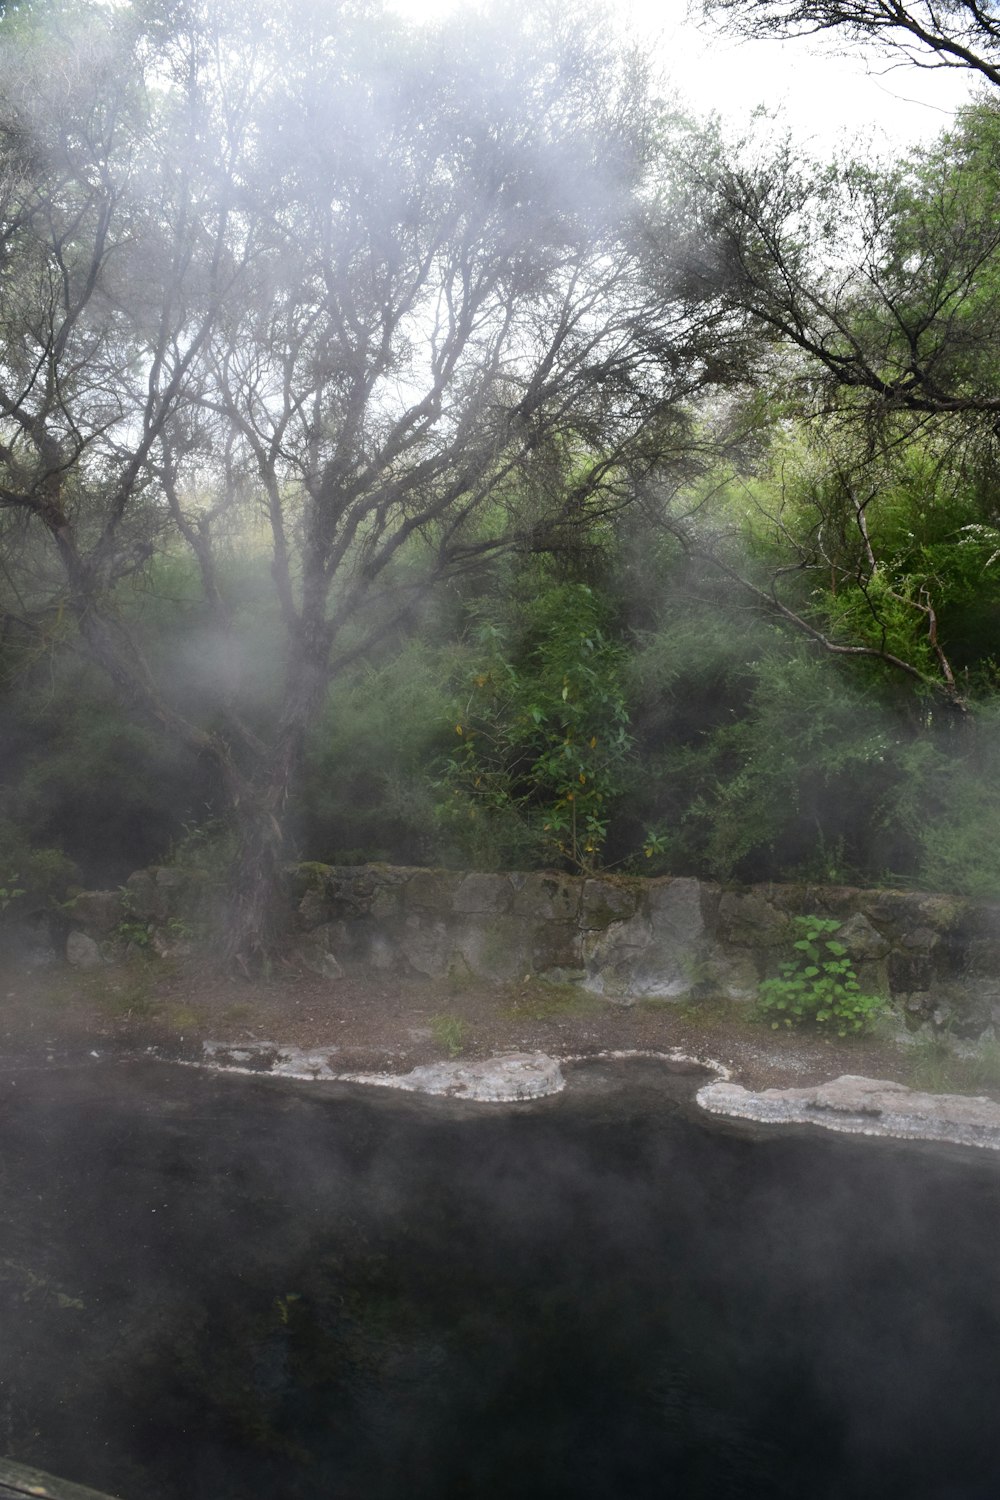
(937,957)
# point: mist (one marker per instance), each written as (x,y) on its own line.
(465,510)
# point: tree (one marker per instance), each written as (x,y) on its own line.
(928,33)
(879,290)
(378,292)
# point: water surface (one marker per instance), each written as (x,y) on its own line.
(229,1288)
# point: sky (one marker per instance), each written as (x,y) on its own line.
(825,100)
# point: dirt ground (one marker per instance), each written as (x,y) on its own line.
(386,1023)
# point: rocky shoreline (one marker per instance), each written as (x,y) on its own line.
(851,1104)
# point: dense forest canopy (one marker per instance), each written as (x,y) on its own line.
(428,444)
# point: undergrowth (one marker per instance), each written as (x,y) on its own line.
(818,986)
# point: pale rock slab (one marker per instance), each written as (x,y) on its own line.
(82,952)
(271,1057)
(864,1106)
(504,1079)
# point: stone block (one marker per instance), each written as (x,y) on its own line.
(386,903)
(556,945)
(920,939)
(82,952)
(731,972)
(314,908)
(861,939)
(496,948)
(873,976)
(749,920)
(610,956)
(142,899)
(910,970)
(484,895)
(964,1011)
(318,951)
(675,911)
(382,953)
(549,898)
(97,913)
(607,901)
(431,891)
(904,911)
(982,956)
(308,875)
(425,945)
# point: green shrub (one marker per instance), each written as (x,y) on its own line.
(31,878)
(541,741)
(818,986)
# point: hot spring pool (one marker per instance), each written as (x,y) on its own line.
(230,1288)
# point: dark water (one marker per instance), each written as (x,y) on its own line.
(231,1289)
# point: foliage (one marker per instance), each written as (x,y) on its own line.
(819,985)
(366,791)
(338,285)
(958,33)
(948,800)
(542,736)
(35,879)
(9,890)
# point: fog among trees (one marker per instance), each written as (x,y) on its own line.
(428,444)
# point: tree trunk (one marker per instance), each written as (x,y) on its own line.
(257,913)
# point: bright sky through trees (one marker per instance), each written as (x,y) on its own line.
(827,100)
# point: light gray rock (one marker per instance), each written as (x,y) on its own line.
(728,971)
(431,891)
(97,913)
(861,939)
(748,919)
(425,944)
(167,945)
(381,953)
(921,939)
(142,899)
(607,901)
(316,951)
(314,908)
(657,952)
(496,948)
(504,1079)
(272,1057)
(864,1106)
(82,952)
(548,898)
(675,910)
(669,966)
(611,955)
(484,895)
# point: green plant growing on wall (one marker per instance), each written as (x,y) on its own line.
(818,986)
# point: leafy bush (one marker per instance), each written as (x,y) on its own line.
(32,879)
(542,737)
(818,985)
